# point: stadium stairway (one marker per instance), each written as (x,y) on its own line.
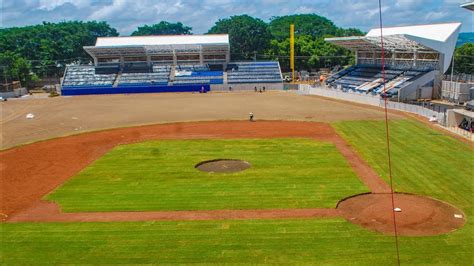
(117,79)
(224,77)
(172,74)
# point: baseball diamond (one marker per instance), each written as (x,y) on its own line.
(283,139)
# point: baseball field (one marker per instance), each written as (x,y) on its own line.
(185,178)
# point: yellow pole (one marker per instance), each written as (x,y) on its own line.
(292,51)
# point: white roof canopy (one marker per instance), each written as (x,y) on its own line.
(468,5)
(156,45)
(439,38)
(162,40)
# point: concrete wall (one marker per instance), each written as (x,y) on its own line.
(371,100)
(15,93)
(90,90)
(416,89)
(246,87)
(456,92)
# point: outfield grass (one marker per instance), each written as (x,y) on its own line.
(160,175)
(321,241)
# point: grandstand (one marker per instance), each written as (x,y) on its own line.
(164,64)
(415,59)
(254,72)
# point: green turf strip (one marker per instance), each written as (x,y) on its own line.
(160,175)
(321,241)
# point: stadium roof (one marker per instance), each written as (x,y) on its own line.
(468,5)
(162,40)
(155,45)
(439,38)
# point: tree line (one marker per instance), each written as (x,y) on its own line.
(31,52)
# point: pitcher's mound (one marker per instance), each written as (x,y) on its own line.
(415,215)
(223,166)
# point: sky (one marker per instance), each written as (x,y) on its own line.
(201,15)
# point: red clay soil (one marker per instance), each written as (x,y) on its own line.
(29,172)
(419,216)
(365,173)
(50,212)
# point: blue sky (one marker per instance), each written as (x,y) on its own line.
(126,15)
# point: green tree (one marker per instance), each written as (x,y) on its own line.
(247,35)
(312,53)
(464,59)
(163,28)
(15,67)
(310,48)
(49,44)
(307,25)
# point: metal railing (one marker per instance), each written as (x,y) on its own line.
(372,100)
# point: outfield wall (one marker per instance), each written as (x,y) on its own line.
(90,90)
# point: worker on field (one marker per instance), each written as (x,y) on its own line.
(251,117)
(255,88)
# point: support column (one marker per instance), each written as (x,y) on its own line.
(415,57)
(201,57)
(175,58)
(148,60)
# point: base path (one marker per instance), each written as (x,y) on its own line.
(50,212)
(365,173)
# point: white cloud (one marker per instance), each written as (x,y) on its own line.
(126,15)
(49,5)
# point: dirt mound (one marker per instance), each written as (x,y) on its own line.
(419,216)
(223,166)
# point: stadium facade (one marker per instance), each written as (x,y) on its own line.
(415,59)
(170,63)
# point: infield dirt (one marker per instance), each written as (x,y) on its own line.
(55,117)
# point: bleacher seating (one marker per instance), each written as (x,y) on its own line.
(136,67)
(197,74)
(254,72)
(159,76)
(109,69)
(86,76)
(368,79)
(139,75)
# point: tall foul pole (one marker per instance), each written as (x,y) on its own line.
(292,51)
